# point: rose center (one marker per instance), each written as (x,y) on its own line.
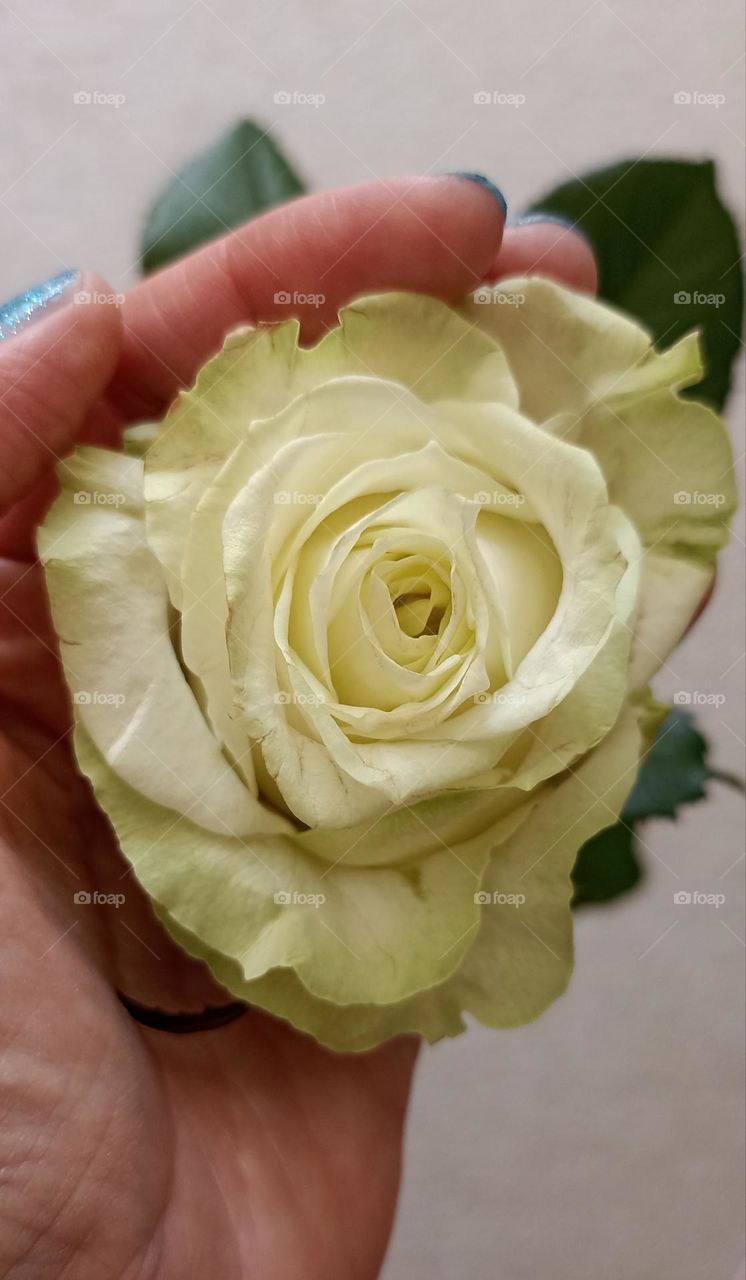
(417,615)
(419,591)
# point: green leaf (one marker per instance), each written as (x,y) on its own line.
(606,866)
(239,176)
(673,773)
(660,231)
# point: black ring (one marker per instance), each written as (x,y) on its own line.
(181,1024)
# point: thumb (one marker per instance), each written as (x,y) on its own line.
(59,345)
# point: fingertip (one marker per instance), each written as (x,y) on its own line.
(37,319)
(547,246)
(52,371)
(476,207)
(487,185)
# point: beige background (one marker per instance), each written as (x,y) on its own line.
(605,1139)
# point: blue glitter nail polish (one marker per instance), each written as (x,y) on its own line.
(485,183)
(19,311)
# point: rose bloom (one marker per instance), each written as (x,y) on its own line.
(359,640)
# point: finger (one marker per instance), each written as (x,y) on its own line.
(429,235)
(544,246)
(60,347)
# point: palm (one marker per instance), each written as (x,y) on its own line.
(242,1150)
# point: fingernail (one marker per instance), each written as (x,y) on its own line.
(481,181)
(26,307)
(557,218)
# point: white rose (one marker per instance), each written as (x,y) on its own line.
(378,615)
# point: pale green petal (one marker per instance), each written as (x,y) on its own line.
(523,955)
(593,377)
(251,377)
(598,548)
(527,573)
(419,342)
(204,619)
(110,609)
(352,934)
(671,591)
(564,348)
(678,366)
(668,465)
(433,1015)
(580,721)
(358,1028)
(404,835)
(594,703)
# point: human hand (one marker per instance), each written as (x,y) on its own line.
(130,1153)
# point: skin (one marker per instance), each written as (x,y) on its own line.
(244,1151)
